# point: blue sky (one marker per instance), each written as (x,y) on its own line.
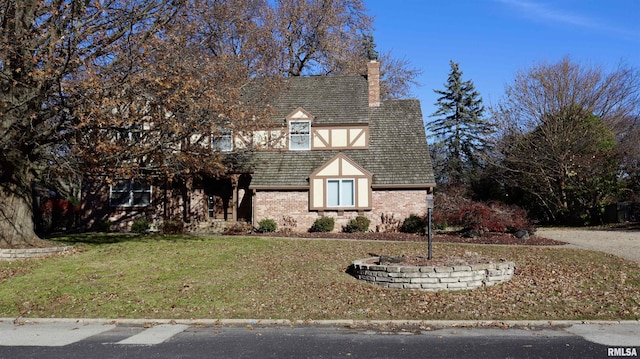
(493,39)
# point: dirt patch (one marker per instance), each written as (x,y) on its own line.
(440,261)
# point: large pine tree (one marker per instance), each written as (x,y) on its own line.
(459,129)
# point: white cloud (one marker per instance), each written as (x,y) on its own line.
(543,12)
(539,11)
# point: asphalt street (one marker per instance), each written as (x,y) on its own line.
(109,339)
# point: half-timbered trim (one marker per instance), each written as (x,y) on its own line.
(275,138)
(340,137)
(340,184)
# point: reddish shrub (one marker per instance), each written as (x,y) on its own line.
(455,210)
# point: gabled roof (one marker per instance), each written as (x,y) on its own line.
(340,164)
(330,99)
(397,156)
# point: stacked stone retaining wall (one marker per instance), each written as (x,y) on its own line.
(431,278)
(11,254)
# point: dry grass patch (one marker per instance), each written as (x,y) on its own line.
(238,277)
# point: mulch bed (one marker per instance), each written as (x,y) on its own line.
(449,237)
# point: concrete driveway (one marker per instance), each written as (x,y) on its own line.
(622,243)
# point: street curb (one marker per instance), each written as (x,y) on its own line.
(338,322)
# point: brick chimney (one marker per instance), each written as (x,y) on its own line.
(373,77)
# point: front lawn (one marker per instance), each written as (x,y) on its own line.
(181,277)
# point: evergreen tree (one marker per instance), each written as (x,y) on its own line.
(459,129)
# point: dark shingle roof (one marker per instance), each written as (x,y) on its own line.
(397,155)
(330,99)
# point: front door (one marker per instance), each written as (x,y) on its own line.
(219,194)
(245,198)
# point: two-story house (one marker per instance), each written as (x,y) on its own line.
(335,149)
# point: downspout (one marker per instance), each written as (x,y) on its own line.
(253,207)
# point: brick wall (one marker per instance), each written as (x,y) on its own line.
(278,204)
(399,203)
(268,204)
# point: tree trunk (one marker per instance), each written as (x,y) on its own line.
(16,219)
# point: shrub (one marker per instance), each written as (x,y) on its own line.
(101,225)
(358,224)
(140,225)
(441,226)
(455,209)
(267,225)
(238,228)
(323,224)
(413,224)
(173,226)
(288,224)
(388,223)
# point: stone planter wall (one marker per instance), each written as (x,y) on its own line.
(11,254)
(431,278)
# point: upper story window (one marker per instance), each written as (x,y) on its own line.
(129,134)
(223,142)
(299,135)
(130,193)
(133,133)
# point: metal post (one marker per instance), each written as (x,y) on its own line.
(429,210)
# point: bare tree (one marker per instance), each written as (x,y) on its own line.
(113,89)
(320,36)
(42,45)
(332,37)
(630,167)
(162,105)
(557,145)
(397,77)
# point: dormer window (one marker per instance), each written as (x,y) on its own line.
(299,135)
(299,129)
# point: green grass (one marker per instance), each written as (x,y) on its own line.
(181,277)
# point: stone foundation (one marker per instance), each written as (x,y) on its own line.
(430,278)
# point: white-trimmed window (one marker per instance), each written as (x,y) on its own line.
(131,193)
(341,193)
(300,135)
(129,134)
(223,142)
